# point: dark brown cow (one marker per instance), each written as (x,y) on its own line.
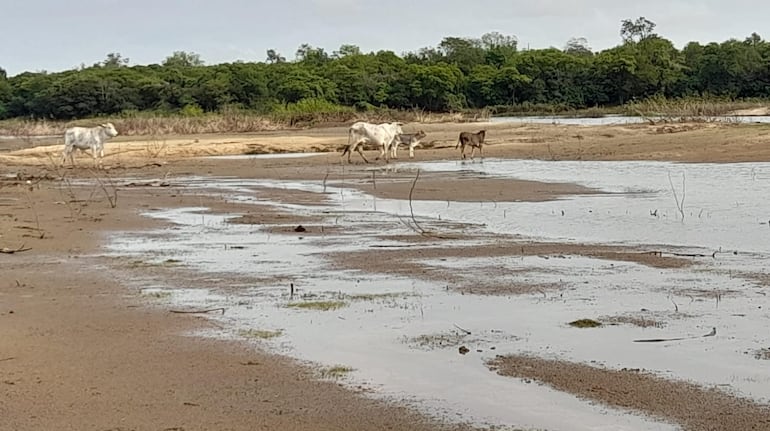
(474,140)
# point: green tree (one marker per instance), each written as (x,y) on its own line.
(465,53)
(499,48)
(578,46)
(615,69)
(274,57)
(435,87)
(311,56)
(183,59)
(637,30)
(300,83)
(346,50)
(5,93)
(114,59)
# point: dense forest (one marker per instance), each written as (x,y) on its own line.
(458,74)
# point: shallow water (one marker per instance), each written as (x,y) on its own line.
(389,329)
(616,120)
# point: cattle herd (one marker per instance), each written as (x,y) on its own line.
(386,136)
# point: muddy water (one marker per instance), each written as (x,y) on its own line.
(401,336)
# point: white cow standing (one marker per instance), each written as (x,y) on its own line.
(382,135)
(84,138)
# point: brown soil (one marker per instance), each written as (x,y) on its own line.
(693,407)
(689,142)
(408,261)
(82,350)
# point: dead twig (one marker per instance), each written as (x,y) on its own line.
(7,359)
(467,332)
(661,253)
(660,340)
(211,310)
(679,203)
(111,197)
(6,250)
(411,209)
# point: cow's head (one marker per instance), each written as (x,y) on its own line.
(421,134)
(110,130)
(397,128)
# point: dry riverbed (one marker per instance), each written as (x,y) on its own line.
(83,348)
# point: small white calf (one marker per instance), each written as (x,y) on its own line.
(381,135)
(84,138)
(411,140)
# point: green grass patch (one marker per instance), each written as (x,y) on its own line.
(335,372)
(585,323)
(259,333)
(376,296)
(318,305)
(156,293)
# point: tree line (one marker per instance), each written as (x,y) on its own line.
(459,73)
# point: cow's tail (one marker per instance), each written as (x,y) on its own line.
(458,143)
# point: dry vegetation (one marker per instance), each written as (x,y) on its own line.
(228,122)
(694,109)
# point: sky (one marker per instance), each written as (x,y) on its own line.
(56,35)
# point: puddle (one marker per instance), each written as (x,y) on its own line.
(401,336)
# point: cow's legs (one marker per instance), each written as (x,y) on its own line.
(346,151)
(473,149)
(98,155)
(361,152)
(394,150)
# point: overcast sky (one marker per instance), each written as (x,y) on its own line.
(56,35)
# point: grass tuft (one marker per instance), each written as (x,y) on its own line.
(585,323)
(259,333)
(318,305)
(335,372)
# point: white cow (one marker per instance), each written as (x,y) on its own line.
(411,140)
(382,135)
(84,138)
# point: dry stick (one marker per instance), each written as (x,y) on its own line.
(198,311)
(325,178)
(34,211)
(661,253)
(660,340)
(411,210)
(374,179)
(467,332)
(21,248)
(7,359)
(112,198)
(676,307)
(679,204)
